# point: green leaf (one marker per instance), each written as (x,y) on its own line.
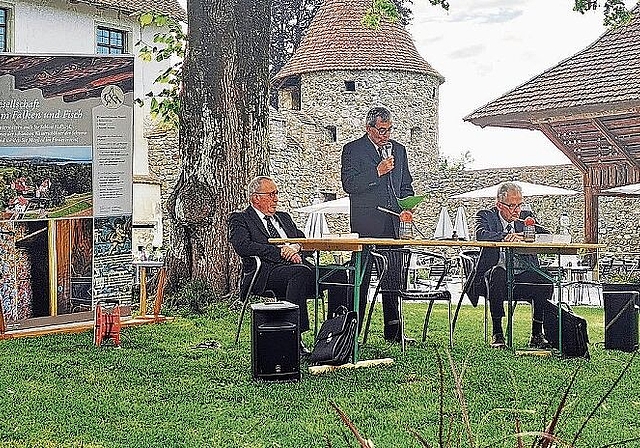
(146,18)
(410,202)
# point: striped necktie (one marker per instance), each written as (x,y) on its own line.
(271,229)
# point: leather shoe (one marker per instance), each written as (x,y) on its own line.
(538,341)
(497,341)
(304,351)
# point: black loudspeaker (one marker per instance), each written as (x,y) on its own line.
(620,320)
(275,341)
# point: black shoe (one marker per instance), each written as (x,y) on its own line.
(497,341)
(305,353)
(538,341)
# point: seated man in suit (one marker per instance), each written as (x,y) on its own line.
(284,270)
(504,222)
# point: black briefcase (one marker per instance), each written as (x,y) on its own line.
(575,340)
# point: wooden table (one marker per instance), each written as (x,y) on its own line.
(357,245)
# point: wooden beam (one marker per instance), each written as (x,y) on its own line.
(548,131)
(613,141)
(590,211)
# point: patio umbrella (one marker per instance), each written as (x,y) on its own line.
(444,228)
(461,225)
(630,190)
(336,206)
(528,189)
(316,225)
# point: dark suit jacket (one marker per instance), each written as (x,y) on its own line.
(367,191)
(249,237)
(489,228)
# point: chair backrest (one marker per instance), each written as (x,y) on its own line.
(468,260)
(419,270)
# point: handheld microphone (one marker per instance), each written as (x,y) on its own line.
(387,150)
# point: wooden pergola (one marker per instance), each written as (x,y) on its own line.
(588,106)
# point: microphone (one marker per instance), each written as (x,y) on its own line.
(387,150)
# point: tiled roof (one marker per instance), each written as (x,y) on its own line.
(603,77)
(169,7)
(336,40)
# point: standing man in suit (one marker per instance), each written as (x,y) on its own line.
(375,173)
(284,270)
(504,222)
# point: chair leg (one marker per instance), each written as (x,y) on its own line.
(368,323)
(401,318)
(245,302)
(426,321)
(450,325)
(486,323)
(455,315)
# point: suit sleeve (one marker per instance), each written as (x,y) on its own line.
(406,187)
(241,239)
(485,230)
(356,175)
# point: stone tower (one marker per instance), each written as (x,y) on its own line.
(340,70)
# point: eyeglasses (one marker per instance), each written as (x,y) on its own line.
(512,206)
(384,131)
(271,194)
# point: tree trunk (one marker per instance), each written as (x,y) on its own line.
(223,135)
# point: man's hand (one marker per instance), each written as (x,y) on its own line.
(513,237)
(290,252)
(385,166)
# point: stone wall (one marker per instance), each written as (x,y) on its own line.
(308,162)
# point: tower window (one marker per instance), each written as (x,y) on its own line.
(350,86)
(332,133)
(416,135)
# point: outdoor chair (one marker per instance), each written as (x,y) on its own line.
(250,270)
(467,260)
(426,284)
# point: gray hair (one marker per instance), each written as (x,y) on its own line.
(254,185)
(378,112)
(506,188)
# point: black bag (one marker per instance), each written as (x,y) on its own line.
(574,330)
(336,338)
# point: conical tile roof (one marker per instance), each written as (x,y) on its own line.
(337,40)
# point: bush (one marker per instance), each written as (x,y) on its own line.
(192,298)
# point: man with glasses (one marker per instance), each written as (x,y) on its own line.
(375,173)
(284,269)
(504,222)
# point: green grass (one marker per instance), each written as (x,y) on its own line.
(61,391)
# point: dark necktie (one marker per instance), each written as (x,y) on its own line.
(271,229)
(509,228)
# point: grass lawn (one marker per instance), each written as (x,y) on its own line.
(159,391)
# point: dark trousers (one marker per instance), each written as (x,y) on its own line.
(529,286)
(390,312)
(296,283)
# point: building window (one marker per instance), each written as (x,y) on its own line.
(416,135)
(110,41)
(4,18)
(332,133)
(350,86)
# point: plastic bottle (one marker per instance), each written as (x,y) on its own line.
(529,230)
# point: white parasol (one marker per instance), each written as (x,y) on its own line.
(444,228)
(336,206)
(630,190)
(461,225)
(528,189)
(316,226)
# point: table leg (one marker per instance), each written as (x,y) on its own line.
(315,308)
(558,281)
(357,281)
(143,291)
(509,254)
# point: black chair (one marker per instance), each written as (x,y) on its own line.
(467,260)
(427,283)
(250,270)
